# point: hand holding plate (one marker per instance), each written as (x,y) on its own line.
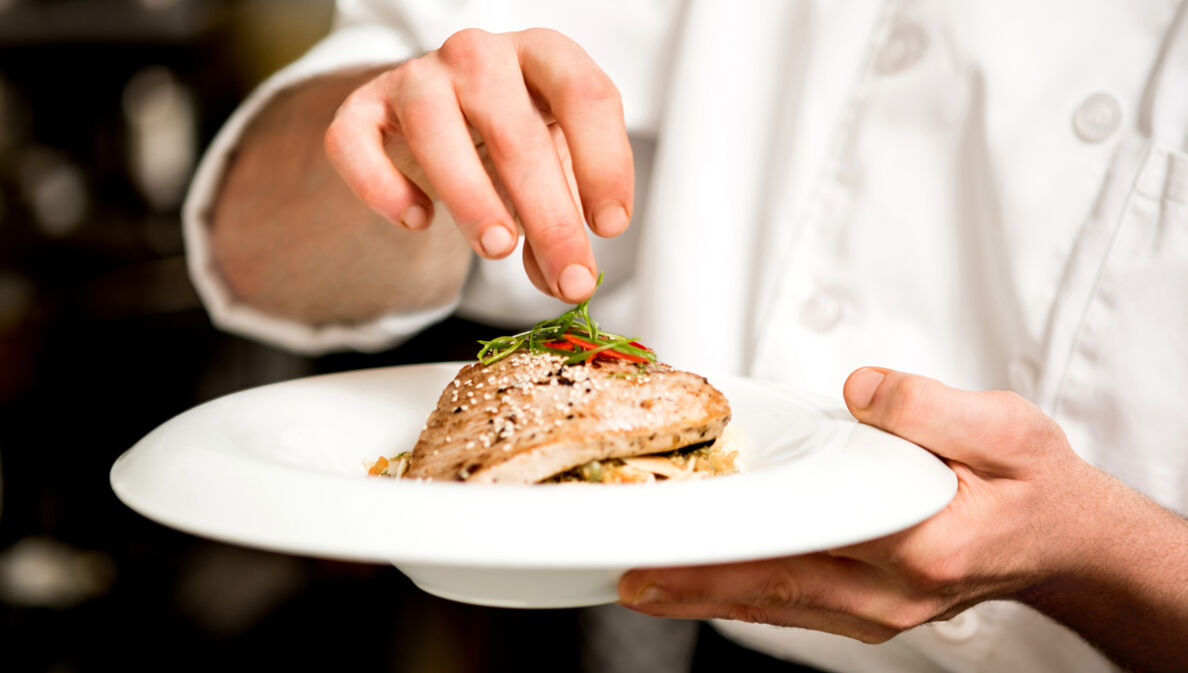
(1001,535)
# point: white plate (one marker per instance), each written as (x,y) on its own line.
(281,467)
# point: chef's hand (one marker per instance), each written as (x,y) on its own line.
(1001,534)
(495,127)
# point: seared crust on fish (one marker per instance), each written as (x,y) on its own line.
(530,416)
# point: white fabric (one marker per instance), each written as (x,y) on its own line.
(924,185)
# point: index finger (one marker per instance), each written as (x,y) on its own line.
(589,110)
(493,97)
(783,589)
(354,144)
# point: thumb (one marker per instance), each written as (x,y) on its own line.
(991,432)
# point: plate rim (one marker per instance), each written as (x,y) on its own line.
(367,489)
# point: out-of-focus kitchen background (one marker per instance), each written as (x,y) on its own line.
(105,107)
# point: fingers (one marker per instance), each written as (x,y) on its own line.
(354,144)
(588,108)
(812,591)
(415,108)
(439,139)
(493,96)
(815,581)
(506,88)
(992,432)
(804,618)
(532,268)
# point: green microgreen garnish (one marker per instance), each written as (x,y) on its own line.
(573,335)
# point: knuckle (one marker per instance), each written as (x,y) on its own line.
(334,138)
(1053,435)
(545,37)
(780,589)
(751,614)
(557,46)
(590,87)
(1030,427)
(1013,402)
(368,191)
(351,104)
(909,399)
(468,49)
(409,73)
(361,112)
(368,188)
(505,141)
(903,617)
(358,107)
(415,111)
(340,141)
(579,80)
(555,231)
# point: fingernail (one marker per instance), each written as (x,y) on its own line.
(415,217)
(863,384)
(496,241)
(576,282)
(649,593)
(610,220)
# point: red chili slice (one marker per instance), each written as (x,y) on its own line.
(580,342)
(605,353)
(616,355)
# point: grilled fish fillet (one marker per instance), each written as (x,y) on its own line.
(530,416)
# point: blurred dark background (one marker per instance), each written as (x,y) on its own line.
(105,107)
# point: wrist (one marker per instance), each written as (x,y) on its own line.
(1118,577)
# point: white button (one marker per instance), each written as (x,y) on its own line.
(905,45)
(822,311)
(1097,117)
(1023,373)
(958,629)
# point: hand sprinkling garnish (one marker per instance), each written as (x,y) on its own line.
(573,335)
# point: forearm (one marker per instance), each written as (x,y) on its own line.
(1126,590)
(291,239)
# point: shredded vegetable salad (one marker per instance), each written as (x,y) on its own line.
(686,464)
(692,462)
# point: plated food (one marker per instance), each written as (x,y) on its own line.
(278,467)
(568,402)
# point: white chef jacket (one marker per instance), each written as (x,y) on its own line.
(994,194)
